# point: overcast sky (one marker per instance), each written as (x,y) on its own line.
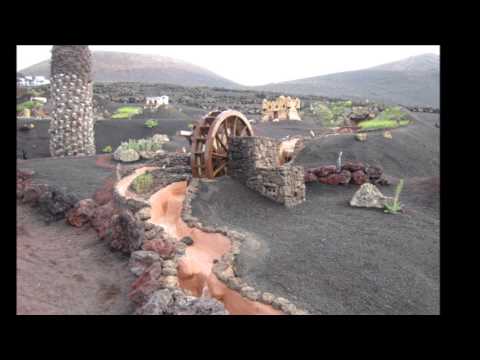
(260,64)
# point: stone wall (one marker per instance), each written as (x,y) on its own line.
(71,127)
(254,162)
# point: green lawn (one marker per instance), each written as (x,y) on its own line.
(391,117)
(125,112)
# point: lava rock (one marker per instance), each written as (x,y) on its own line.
(54,204)
(141,260)
(127,234)
(82,212)
(359,177)
(324,170)
(102,218)
(187,240)
(353,166)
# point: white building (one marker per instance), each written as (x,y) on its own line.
(156,101)
(32,81)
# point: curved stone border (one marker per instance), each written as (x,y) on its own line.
(224,268)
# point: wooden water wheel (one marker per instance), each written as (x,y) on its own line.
(210,141)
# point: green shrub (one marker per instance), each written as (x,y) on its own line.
(151,123)
(141,145)
(143,183)
(395,206)
(107,149)
(126,112)
(382,124)
(29,105)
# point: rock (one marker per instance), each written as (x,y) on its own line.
(125,155)
(387,134)
(25,174)
(279,302)
(127,233)
(175,302)
(105,194)
(339,178)
(382,180)
(353,166)
(234,283)
(361,136)
(160,138)
(169,272)
(149,282)
(310,177)
(148,155)
(368,196)
(81,213)
(288,308)
(157,304)
(187,240)
(324,170)
(161,246)
(55,203)
(169,281)
(374,172)
(32,193)
(141,260)
(144,213)
(101,220)
(359,177)
(267,298)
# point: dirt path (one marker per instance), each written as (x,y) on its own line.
(63,270)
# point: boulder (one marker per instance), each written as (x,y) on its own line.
(141,260)
(81,213)
(339,178)
(147,155)
(146,284)
(387,134)
(162,246)
(175,302)
(125,155)
(55,203)
(369,196)
(359,177)
(105,194)
(144,213)
(32,193)
(353,166)
(374,172)
(324,170)
(160,138)
(127,233)
(101,220)
(25,174)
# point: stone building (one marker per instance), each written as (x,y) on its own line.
(283,108)
(254,161)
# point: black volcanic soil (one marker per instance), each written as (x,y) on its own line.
(334,259)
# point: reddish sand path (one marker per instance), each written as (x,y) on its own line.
(195,268)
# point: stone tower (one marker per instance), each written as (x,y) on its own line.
(72,125)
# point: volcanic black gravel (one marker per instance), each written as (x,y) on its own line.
(79,175)
(329,257)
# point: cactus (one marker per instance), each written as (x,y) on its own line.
(339,162)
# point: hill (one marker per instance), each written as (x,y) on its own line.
(411,81)
(110,66)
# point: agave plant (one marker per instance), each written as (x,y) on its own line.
(395,206)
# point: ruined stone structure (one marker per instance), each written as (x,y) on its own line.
(72,125)
(283,108)
(254,161)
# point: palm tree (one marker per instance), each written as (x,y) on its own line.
(71,128)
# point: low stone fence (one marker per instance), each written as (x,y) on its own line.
(254,161)
(352,172)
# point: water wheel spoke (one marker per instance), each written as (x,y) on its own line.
(235,126)
(220,168)
(218,155)
(221,143)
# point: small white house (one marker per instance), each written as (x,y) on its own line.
(156,101)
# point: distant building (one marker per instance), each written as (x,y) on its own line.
(156,101)
(283,108)
(32,81)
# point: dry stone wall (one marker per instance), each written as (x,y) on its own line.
(254,162)
(71,127)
